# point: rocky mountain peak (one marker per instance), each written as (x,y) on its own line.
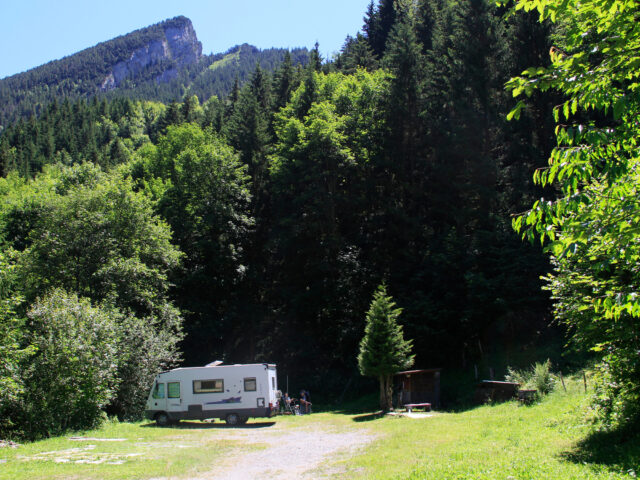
(175,44)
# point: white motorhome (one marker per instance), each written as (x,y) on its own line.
(229,392)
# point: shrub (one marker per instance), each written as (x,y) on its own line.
(14,349)
(73,374)
(617,396)
(538,377)
(146,346)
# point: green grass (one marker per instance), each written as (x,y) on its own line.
(226,60)
(549,440)
(508,441)
(145,452)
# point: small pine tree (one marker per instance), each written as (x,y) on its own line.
(383,349)
(315,60)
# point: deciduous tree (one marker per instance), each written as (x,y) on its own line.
(593,225)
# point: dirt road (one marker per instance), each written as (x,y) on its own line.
(307,452)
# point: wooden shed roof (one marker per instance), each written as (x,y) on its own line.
(427,370)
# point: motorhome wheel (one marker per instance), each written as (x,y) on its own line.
(233,419)
(162,419)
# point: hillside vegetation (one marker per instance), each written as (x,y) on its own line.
(255,227)
(290,201)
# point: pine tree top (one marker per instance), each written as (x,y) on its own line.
(383,349)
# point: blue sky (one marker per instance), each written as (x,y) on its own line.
(33,32)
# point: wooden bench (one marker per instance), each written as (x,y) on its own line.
(411,406)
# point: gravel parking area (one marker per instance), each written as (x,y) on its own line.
(308,452)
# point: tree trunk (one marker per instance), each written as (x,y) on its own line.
(385,393)
(382,393)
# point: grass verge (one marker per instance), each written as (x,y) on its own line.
(120,451)
(551,439)
(507,441)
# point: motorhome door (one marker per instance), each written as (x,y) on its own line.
(158,399)
(174,396)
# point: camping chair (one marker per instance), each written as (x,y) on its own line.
(293,408)
(287,408)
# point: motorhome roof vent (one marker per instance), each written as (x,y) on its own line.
(214,364)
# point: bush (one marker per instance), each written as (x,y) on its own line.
(146,346)
(99,348)
(617,394)
(14,349)
(72,377)
(538,377)
(89,360)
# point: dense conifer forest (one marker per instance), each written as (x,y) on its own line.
(255,226)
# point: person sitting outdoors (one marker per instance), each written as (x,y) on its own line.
(305,404)
(286,402)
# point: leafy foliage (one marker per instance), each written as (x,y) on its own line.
(205,200)
(593,224)
(73,375)
(15,348)
(103,241)
(105,246)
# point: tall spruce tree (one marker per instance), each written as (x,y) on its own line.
(383,349)
(356,53)
(378,24)
(283,82)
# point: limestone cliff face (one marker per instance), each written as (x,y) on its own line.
(177,46)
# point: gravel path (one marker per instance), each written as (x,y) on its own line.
(289,453)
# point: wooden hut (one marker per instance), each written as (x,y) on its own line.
(418,386)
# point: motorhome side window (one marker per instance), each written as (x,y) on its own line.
(208,386)
(173,389)
(158,391)
(250,384)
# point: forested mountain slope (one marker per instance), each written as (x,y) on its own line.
(215,74)
(279,208)
(160,62)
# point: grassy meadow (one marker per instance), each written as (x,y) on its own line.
(548,440)
(117,451)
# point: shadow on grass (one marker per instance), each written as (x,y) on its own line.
(619,450)
(210,425)
(363,405)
